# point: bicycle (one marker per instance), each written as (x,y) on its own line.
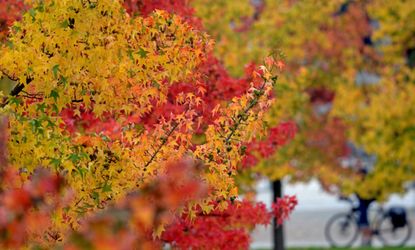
(391,227)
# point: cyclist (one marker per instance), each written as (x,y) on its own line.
(363,220)
(363,162)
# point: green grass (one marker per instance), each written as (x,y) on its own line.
(358,248)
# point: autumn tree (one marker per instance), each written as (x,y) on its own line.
(108,101)
(332,60)
(381,111)
(343,59)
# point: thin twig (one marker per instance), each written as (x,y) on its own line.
(164,141)
(252,104)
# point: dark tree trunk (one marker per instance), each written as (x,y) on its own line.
(278,231)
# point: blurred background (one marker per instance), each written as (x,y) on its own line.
(348,83)
(306,226)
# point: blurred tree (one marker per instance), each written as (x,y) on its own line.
(336,52)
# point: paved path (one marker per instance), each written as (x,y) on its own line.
(306,228)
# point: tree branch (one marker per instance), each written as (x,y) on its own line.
(240,119)
(164,141)
(16,90)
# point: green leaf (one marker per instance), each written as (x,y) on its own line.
(107,187)
(14,100)
(95,196)
(50,124)
(63,80)
(55,161)
(41,7)
(74,158)
(54,94)
(155,84)
(92,5)
(142,53)
(55,108)
(16,28)
(64,24)
(55,70)
(10,44)
(36,126)
(41,107)
(105,138)
(130,54)
(32,13)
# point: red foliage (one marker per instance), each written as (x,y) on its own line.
(283,207)
(89,123)
(278,136)
(10,11)
(349,29)
(25,209)
(129,224)
(327,134)
(178,7)
(320,95)
(215,86)
(231,228)
(228,229)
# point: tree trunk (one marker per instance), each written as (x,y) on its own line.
(278,231)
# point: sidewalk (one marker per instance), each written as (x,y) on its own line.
(306,229)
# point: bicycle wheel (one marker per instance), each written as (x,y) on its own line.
(341,230)
(391,236)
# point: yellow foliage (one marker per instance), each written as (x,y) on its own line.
(92,58)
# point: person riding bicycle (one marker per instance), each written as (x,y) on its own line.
(363,163)
(363,220)
(390,226)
